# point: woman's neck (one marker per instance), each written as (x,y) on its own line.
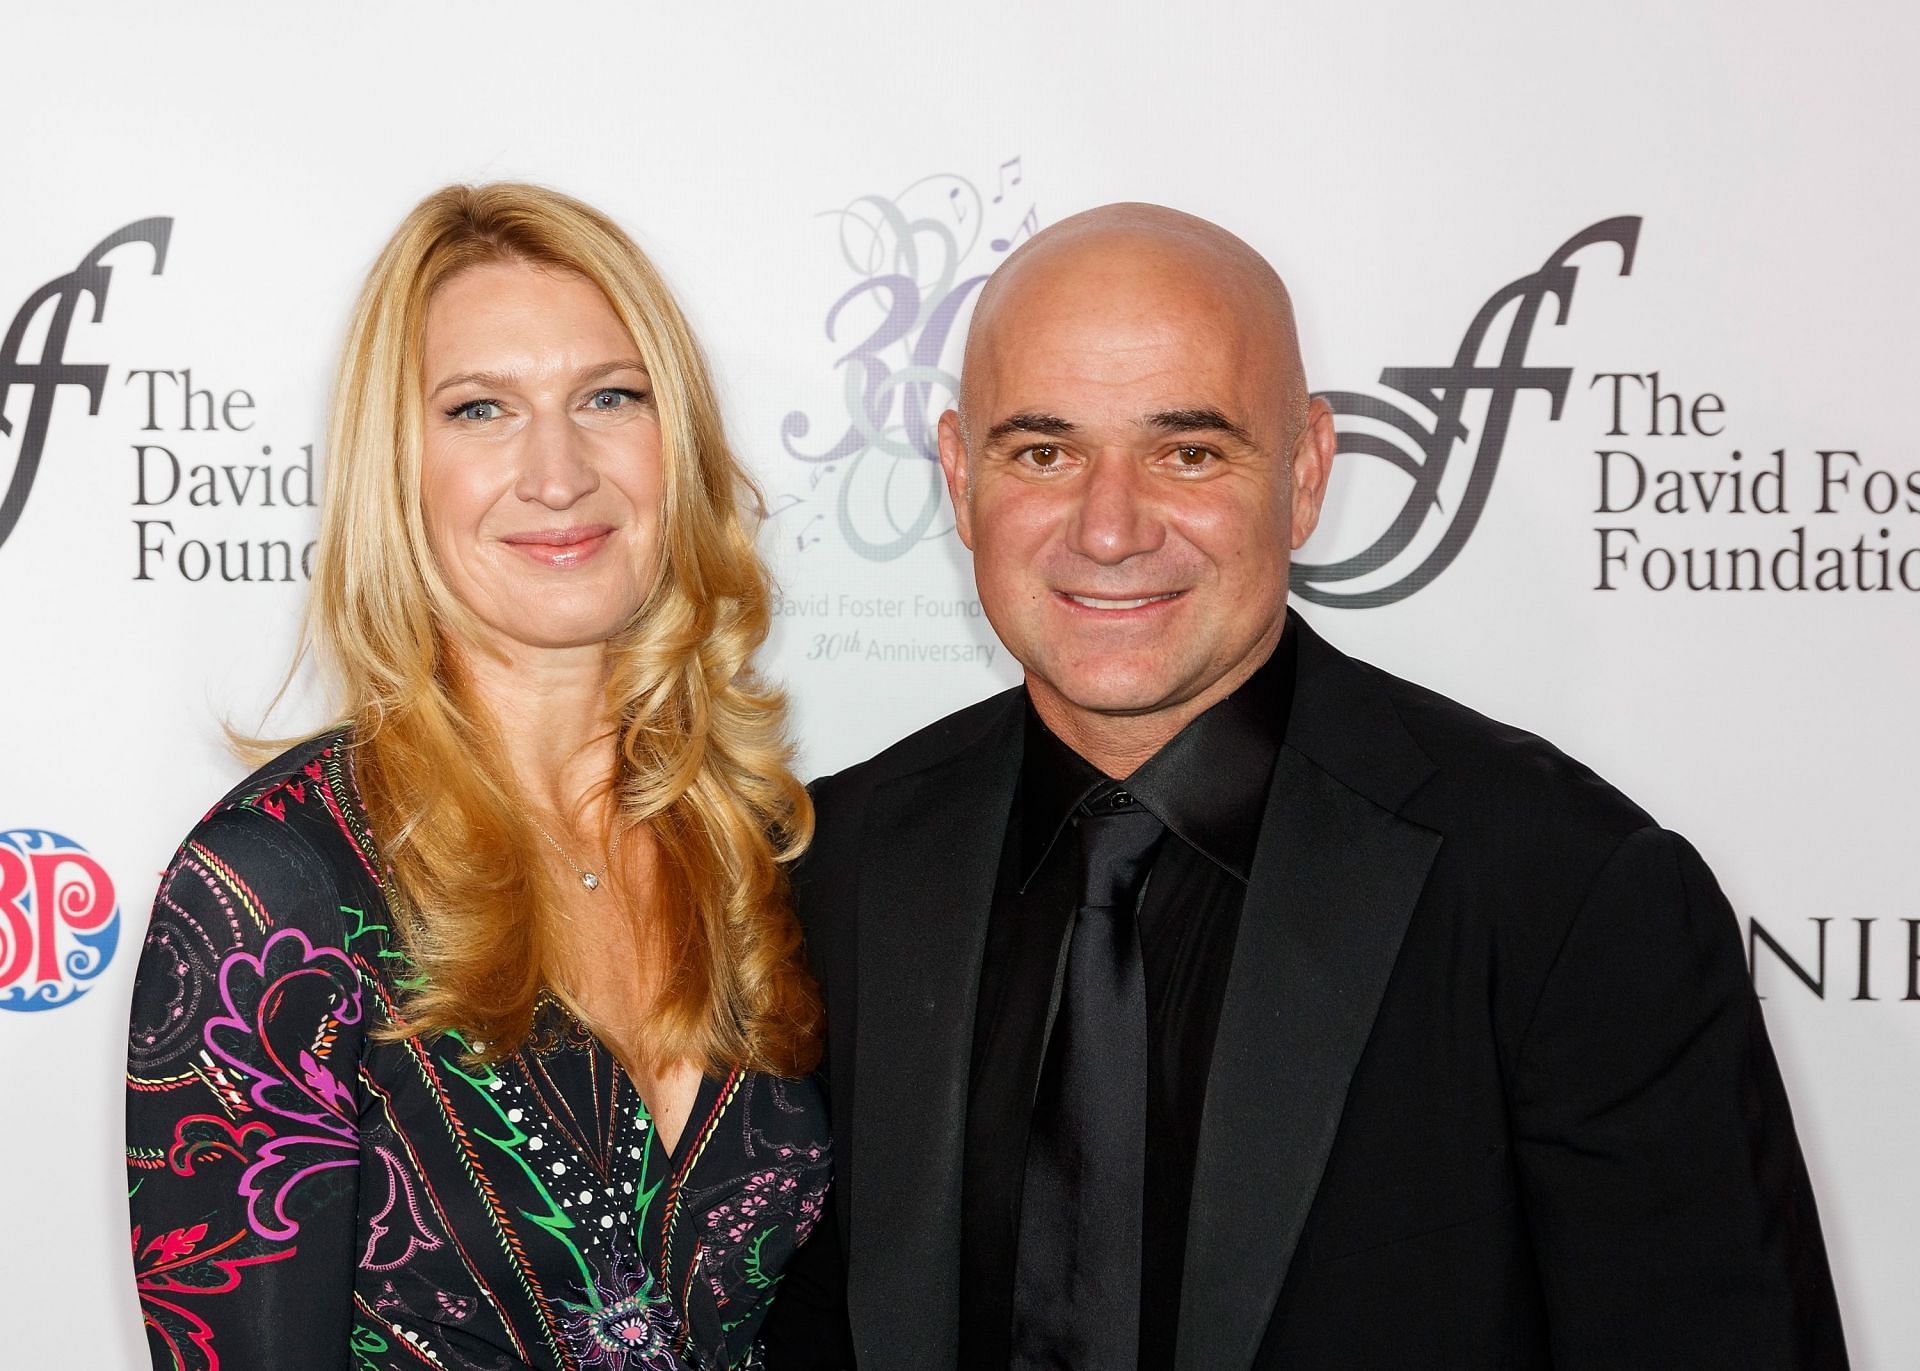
(548,706)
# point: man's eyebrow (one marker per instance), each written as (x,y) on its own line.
(1192,420)
(506,380)
(1051,425)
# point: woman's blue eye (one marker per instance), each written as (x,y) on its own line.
(475,409)
(614,397)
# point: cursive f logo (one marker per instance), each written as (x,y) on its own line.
(1423,449)
(52,371)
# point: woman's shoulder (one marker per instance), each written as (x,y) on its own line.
(262,892)
(297,816)
(304,761)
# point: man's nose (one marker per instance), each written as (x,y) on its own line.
(556,466)
(1116,517)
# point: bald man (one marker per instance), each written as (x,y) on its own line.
(1216,1001)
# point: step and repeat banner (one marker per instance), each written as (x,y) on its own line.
(1615,306)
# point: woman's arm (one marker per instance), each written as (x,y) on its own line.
(242,1116)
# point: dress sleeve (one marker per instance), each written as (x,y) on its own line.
(806,1328)
(242,1105)
(1673,1220)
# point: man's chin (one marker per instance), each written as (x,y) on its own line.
(1116,695)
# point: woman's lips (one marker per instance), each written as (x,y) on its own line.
(561,547)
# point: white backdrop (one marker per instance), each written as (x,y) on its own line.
(1400,162)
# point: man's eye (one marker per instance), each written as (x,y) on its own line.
(1189,457)
(1045,457)
(614,397)
(475,409)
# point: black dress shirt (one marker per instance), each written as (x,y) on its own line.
(1209,787)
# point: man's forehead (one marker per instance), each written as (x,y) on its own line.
(1129,298)
(1130,368)
(1120,325)
(1120,335)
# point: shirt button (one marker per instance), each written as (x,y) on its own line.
(1121,799)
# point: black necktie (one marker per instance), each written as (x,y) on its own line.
(1077,1276)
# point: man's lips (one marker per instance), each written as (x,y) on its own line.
(560,547)
(1120,604)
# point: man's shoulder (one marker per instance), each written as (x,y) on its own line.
(940,741)
(843,802)
(1485,766)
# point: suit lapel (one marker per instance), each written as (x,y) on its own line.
(1334,881)
(933,838)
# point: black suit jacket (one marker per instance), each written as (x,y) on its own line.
(1490,1088)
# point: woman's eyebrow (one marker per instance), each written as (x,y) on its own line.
(505,380)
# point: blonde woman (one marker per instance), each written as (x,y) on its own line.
(475,1032)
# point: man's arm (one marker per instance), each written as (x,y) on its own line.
(807,1327)
(1670,1207)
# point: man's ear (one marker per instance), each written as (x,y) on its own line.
(953,464)
(1313,454)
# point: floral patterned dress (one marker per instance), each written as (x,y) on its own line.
(305,1197)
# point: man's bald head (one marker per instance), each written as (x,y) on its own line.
(1135,257)
(1134,458)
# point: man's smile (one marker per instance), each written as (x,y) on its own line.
(1113,605)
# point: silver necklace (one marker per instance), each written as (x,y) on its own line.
(591,880)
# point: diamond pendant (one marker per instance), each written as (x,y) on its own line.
(589,880)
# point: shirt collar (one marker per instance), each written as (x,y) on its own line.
(1208,785)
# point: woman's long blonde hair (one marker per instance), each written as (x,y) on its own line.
(704,759)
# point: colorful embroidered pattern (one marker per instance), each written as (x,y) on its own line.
(304,1197)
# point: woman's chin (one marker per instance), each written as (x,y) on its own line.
(552,632)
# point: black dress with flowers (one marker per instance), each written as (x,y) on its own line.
(306,1197)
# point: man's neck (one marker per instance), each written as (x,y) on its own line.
(1119,744)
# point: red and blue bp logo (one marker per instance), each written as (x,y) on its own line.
(59,919)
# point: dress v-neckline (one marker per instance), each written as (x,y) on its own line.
(697,1112)
(596,1137)
(566,1025)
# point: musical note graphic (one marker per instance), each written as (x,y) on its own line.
(1013,165)
(1028,225)
(959,206)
